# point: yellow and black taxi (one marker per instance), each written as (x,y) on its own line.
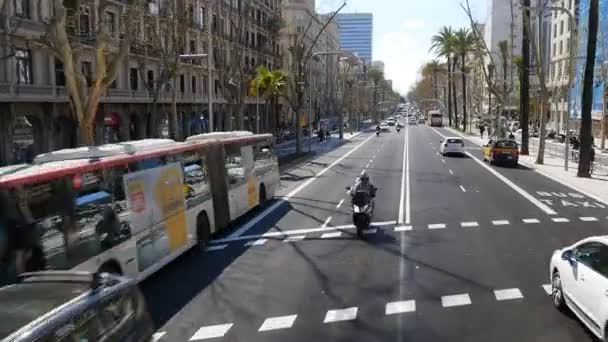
(501,151)
(73,306)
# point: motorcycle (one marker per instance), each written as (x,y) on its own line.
(362,205)
(377,133)
(398,129)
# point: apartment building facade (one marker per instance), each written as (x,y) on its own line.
(35,111)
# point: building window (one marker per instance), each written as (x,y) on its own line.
(22,8)
(567,45)
(554,30)
(24,66)
(561,27)
(193,85)
(87,72)
(134,78)
(553,50)
(192,46)
(85,21)
(561,47)
(150,78)
(182,83)
(111,22)
(205,81)
(59,73)
(568,25)
(201,16)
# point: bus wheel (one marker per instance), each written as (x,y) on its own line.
(262,201)
(203,231)
(111,267)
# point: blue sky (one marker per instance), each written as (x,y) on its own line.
(403,28)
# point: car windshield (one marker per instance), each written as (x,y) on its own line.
(506,144)
(454,141)
(24,303)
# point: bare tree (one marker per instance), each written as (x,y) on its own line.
(9,25)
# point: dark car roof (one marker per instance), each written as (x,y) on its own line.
(21,304)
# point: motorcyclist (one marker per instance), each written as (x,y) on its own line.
(363,184)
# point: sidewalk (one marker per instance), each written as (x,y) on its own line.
(595,187)
(285,149)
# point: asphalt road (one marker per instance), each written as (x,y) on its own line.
(459,251)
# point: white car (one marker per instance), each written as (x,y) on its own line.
(579,281)
(452,145)
(412,121)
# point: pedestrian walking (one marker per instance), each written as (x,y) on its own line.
(482,128)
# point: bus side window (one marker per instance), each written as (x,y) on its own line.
(234,165)
(196,178)
(264,158)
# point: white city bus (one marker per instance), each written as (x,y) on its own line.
(129,208)
(435,118)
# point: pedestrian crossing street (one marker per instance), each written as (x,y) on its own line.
(347,231)
(395,307)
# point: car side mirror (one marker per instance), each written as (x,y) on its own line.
(568,255)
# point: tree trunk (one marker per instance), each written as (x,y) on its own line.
(435,83)
(464,93)
(586,135)
(449,91)
(454,61)
(86,133)
(524,89)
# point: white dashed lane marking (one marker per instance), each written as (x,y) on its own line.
(588,219)
(508,294)
(341,315)
(500,222)
(451,172)
(560,219)
(437,226)
(158,335)
(211,331)
(403,228)
(295,238)
(400,307)
(257,242)
(331,235)
(469,224)
(340,203)
(455,300)
(275,323)
(327,220)
(463,189)
(530,220)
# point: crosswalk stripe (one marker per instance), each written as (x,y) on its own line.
(507,294)
(403,228)
(211,331)
(256,242)
(437,226)
(400,307)
(530,220)
(347,314)
(455,300)
(469,224)
(500,222)
(274,323)
(588,219)
(560,219)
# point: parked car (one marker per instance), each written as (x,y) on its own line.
(579,282)
(73,306)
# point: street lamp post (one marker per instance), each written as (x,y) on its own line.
(322,53)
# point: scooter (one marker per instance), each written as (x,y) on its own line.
(377,133)
(398,129)
(362,205)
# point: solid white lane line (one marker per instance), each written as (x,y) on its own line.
(451,172)
(158,335)
(275,323)
(294,238)
(331,235)
(408,199)
(508,182)
(547,288)
(560,219)
(402,194)
(530,220)
(211,331)
(347,314)
(455,300)
(437,226)
(382,223)
(469,224)
(400,307)
(588,219)
(215,248)
(500,222)
(257,242)
(327,220)
(294,192)
(403,228)
(370,231)
(284,233)
(340,203)
(508,294)
(463,189)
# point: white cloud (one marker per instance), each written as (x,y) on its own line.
(403,53)
(412,24)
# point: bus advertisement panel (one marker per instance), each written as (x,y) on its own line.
(156,199)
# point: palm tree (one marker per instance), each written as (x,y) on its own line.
(270,84)
(524,89)
(443,45)
(586,136)
(464,43)
(433,68)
